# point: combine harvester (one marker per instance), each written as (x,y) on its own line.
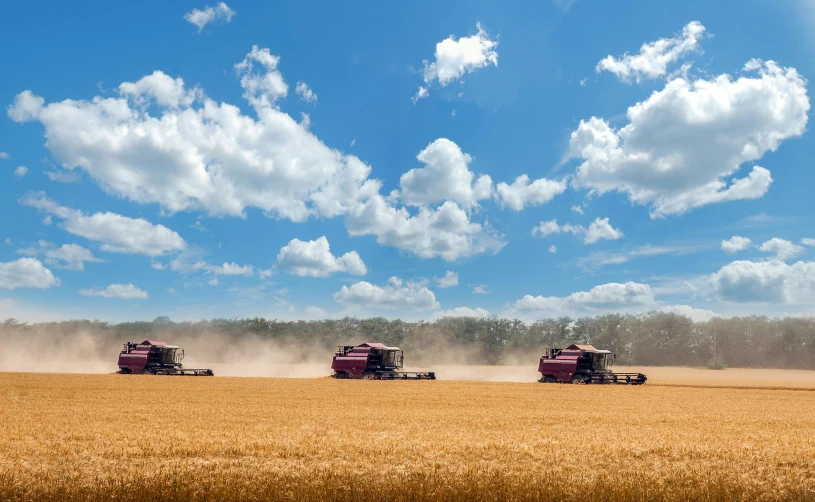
(373,361)
(153,357)
(583,364)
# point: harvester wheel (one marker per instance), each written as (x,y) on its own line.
(578,378)
(549,379)
(368,375)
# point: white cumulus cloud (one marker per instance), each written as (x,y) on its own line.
(696,315)
(27,106)
(304,91)
(521,193)
(123,291)
(736,243)
(445,232)
(312,313)
(191,261)
(456,57)
(420,94)
(20,171)
(26,273)
(715,126)
(653,60)
(550,227)
(262,89)
(808,241)
(462,312)
(189,152)
(180,264)
(446,176)
(314,259)
(599,229)
(229,268)
(165,91)
(117,233)
(782,248)
(202,17)
(70,257)
(394,296)
(481,289)
(603,298)
(449,280)
(771,281)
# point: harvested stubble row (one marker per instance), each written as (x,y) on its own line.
(140,438)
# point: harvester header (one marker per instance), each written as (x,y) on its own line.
(579,363)
(154,357)
(373,361)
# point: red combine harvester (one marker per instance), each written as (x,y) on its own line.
(373,361)
(583,364)
(153,357)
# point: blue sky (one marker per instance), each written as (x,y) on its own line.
(314,160)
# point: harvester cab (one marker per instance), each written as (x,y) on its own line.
(373,361)
(389,358)
(155,357)
(168,355)
(579,363)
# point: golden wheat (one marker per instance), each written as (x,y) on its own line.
(140,438)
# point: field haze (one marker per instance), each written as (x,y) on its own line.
(133,437)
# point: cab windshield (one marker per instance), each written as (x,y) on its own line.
(390,358)
(168,356)
(599,361)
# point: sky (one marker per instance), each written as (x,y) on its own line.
(413,160)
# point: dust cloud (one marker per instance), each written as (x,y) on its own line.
(68,348)
(47,352)
(455,361)
(72,348)
(85,351)
(253,356)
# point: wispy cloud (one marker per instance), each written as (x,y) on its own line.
(600,259)
(63,176)
(681,287)
(481,289)
(564,5)
(202,17)
(761,220)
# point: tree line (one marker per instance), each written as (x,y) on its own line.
(653,339)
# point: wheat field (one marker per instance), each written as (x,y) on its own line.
(148,438)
